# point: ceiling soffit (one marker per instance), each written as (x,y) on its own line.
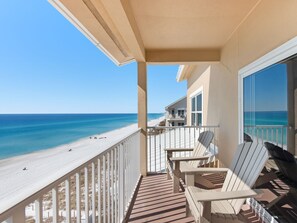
(188,24)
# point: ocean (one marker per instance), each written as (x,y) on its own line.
(26,133)
(266,118)
(277,135)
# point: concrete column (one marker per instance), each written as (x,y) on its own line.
(142,115)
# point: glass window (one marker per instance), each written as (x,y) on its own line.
(196,115)
(193,104)
(193,119)
(199,102)
(265,103)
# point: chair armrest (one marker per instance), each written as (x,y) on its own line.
(179,149)
(205,196)
(189,158)
(202,170)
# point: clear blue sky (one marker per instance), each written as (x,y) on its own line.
(48,66)
(266,90)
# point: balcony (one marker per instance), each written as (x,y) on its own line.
(109,187)
(176,117)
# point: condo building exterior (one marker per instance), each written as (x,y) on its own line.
(176,113)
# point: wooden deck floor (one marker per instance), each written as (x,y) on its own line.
(155,202)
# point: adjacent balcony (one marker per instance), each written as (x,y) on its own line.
(176,117)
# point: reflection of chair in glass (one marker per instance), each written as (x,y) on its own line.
(224,205)
(247,138)
(200,156)
(285,161)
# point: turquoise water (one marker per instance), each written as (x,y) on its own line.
(22,134)
(266,118)
(277,135)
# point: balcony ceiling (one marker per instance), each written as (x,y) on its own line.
(188,24)
(156,31)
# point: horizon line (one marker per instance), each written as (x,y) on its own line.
(84,113)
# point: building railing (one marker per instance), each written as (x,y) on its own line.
(276,134)
(176,116)
(161,137)
(99,190)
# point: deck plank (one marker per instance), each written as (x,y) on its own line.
(155,202)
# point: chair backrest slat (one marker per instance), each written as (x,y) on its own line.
(201,148)
(246,167)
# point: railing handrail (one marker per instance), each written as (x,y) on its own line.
(266,126)
(8,210)
(185,126)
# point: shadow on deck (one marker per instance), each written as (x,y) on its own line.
(279,196)
(155,202)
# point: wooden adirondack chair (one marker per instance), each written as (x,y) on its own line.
(224,205)
(200,156)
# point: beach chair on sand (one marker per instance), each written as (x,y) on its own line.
(225,205)
(200,156)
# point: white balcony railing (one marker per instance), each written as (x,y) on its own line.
(276,134)
(176,116)
(161,137)
(99,190)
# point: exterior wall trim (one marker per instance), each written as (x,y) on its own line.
(199,90)
(276,55)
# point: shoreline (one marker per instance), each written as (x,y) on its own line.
(44,166)
(98,135)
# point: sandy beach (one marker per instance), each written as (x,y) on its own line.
(45,166)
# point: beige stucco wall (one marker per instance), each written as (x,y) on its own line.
(271,23)
(200,78)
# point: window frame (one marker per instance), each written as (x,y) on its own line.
(194,96)
(278,54)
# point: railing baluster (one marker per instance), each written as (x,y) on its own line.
(174,137)
(150,152)
(170,142)
(116,184)
(86,195)
(55,204)
(38,210)
(282,134)
(78,197)
(121,183)
(160,152)
(93,193)
(104,188)
(112,186)
(155,152)
(108,187)
(67,200)
(99,190)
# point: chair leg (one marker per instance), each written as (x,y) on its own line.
(206,210)
(168,174)
(176,177)
(188,210)
(168,169)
